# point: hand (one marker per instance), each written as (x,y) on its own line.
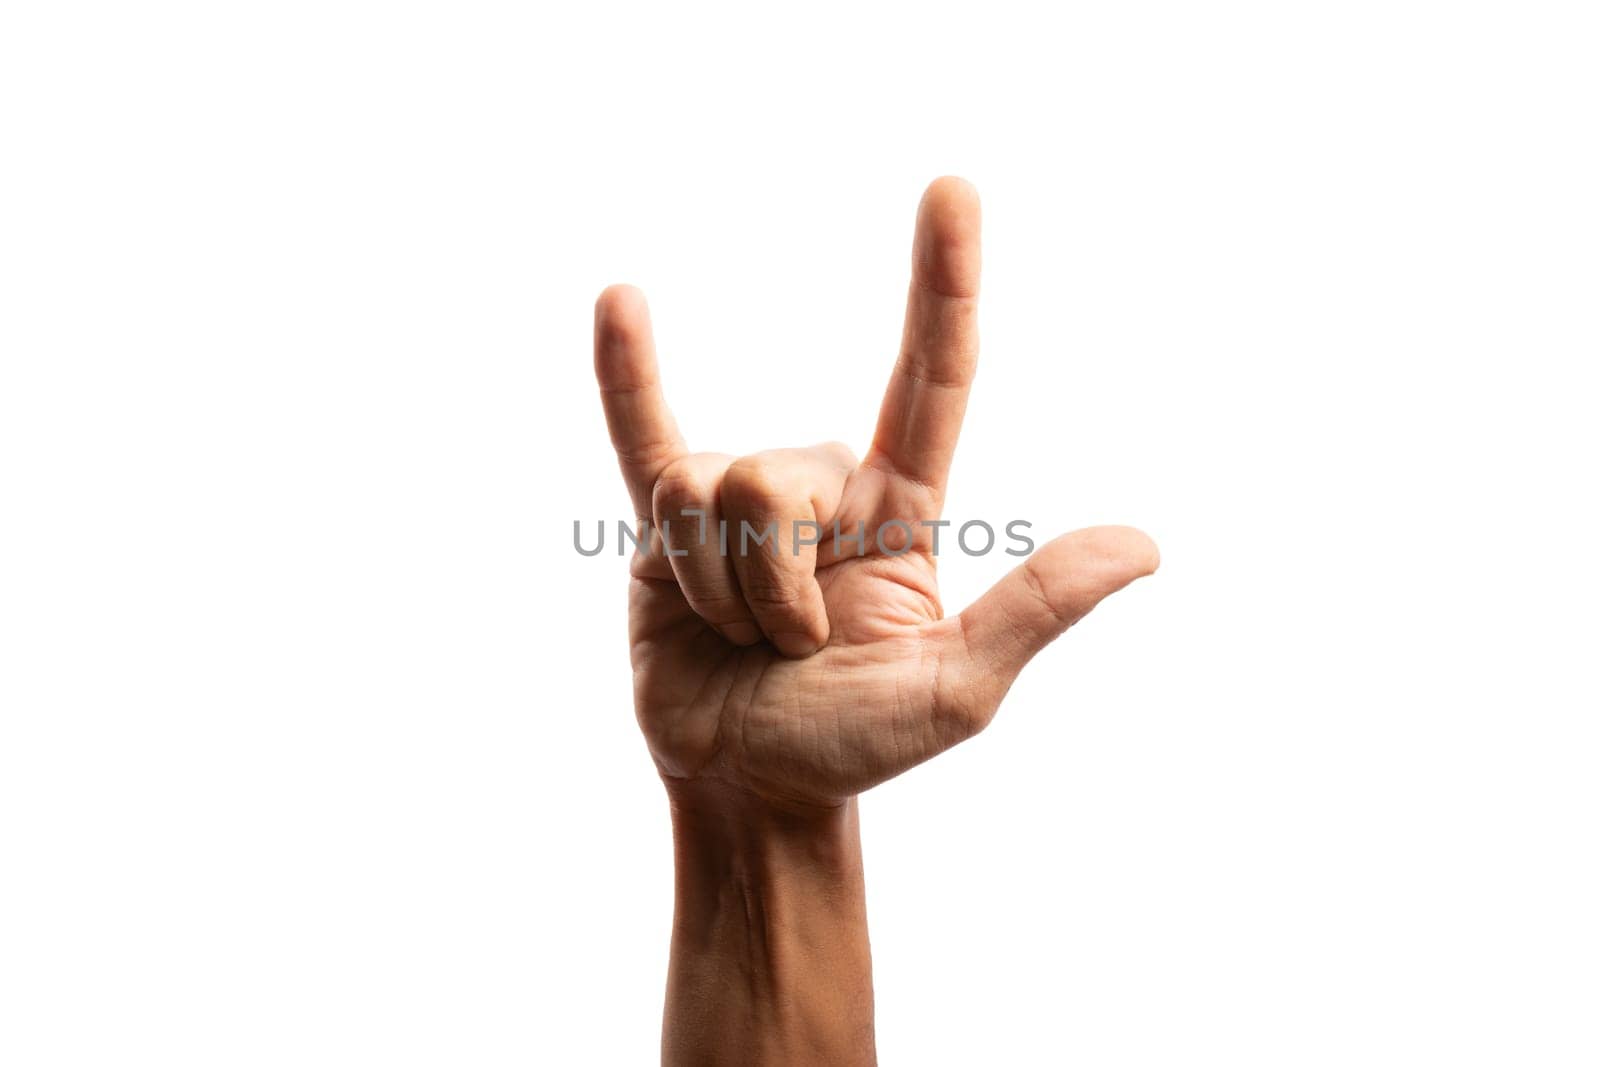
(807,678)
(776,680)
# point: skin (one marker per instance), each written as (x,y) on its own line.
(773,687)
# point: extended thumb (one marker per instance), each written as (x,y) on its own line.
(1039,600)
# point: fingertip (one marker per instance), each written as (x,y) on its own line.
(620,311)
(949,190)
(802,635)
(1123,553)
(622,342)
(949,226)
(742,634)
(795,645)
(618,298)
(1141,550)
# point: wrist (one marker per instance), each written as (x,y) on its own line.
(770,962)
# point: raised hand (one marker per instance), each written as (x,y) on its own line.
(805,678)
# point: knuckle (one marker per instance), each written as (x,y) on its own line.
(685,481)
(840,453)
(1034,583)
(755,481)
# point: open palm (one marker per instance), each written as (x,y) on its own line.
(787,635)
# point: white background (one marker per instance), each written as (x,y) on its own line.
(317,744)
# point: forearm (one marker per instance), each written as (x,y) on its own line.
(770,963)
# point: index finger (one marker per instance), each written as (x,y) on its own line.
(643,430)
(927,395)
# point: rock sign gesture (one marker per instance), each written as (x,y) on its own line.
(804,676)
